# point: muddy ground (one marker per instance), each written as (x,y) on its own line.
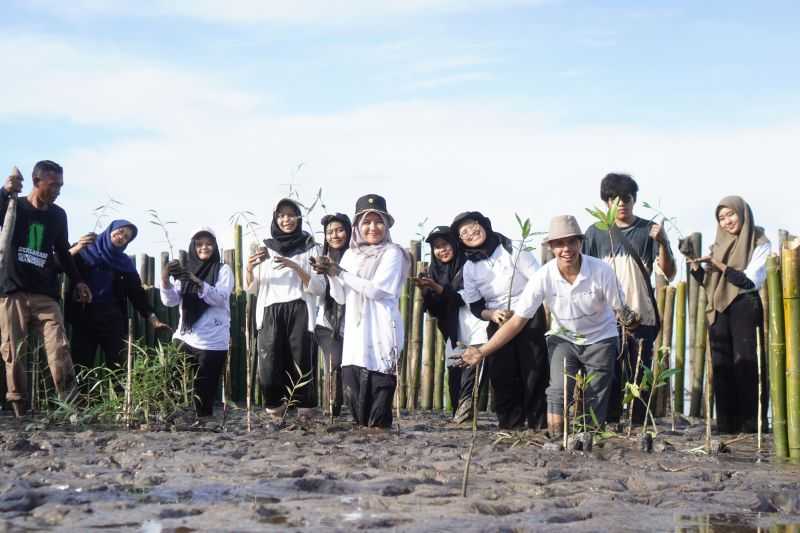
(318,476)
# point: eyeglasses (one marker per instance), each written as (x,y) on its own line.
(468,229)
(625,199)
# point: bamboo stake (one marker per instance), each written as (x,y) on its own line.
(475,385)
(758,356)
(129,377)
(708,397)
(438,371)
(680,347)
(693,290)
(777,359)
(415,351)
(402,377)
(698,356)
(565,410)
(428,349)
(448,401)
(662,394)
(661,296)
(791,313)
(249,360)
(636,381)
(331,386)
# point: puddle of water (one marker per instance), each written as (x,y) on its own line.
(734,523)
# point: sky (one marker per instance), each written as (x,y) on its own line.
(200,109)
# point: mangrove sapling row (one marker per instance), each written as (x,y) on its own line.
(161,382)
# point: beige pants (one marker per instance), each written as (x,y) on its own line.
(18,312)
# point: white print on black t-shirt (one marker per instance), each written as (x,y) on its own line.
(31,257)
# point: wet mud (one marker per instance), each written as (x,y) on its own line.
(317,476)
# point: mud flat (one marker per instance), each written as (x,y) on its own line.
(317,476)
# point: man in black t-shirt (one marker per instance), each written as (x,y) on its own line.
(646,241)
(29,296)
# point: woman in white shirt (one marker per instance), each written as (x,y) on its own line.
(492,285)
(202,289)
(369,281)
(442,288)
(286,289)
(734,272)
(329,331)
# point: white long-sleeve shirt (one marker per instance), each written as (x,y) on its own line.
(490,278)
(581,312)
(212,331)
(374,342)
(756,270)
(278,285)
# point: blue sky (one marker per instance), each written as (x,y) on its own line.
(202,108)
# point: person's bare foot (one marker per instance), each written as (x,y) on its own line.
(276,412)
(19,409)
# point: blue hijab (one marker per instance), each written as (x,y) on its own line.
(104,259)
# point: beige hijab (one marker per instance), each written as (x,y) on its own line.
(732,250)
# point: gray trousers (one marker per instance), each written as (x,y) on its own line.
(594,359)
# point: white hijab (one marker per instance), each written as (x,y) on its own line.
(368,256)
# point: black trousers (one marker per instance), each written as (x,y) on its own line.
(625,369)
(461,381)
(733,356)
(519,373)
(332,352)
(209,364)
(369,395)
(283,347)
(101,325)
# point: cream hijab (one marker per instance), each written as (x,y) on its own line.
(368,256)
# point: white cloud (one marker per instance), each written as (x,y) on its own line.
(259,11)
(213,149)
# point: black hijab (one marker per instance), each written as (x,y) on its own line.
(447,273)
(289,244)
(334,313)
(493,239)
(446,307)
(192,306)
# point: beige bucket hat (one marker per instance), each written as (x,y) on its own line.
(563,226)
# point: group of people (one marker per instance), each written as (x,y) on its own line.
(591,308)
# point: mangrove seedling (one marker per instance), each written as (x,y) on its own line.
(295,385)
(103,212)
(665,219)
(156,220)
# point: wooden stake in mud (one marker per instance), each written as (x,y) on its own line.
(475,387)
(661,399)
(680,347)
(331,385)
(428,364)
(565,410)
(698,356)
(129,377)
(248,342)
(708,398)
(777,358)
(636,380)
(758,356)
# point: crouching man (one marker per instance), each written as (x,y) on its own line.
(584,297)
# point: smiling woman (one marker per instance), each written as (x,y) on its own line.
(734,272)
(286,289)
(113,279)
(368,282)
